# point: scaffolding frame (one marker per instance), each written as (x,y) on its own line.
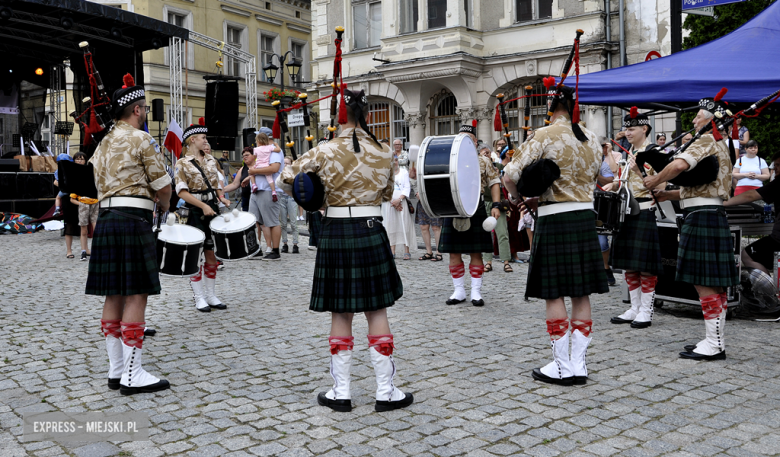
(176,52)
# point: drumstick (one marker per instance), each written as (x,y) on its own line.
(644,175)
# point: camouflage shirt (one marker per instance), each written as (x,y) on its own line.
(579,161)
(350,179)
(488,173)
(635,183)
(127,165)
(188,177)
(703,147)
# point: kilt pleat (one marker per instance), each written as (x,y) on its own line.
(124,256)
(705,256)
(566,258)
(636,247)
(354,271)
(201,224)
(475,239)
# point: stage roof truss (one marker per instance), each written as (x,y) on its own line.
(53,24)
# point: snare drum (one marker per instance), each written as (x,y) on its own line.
(607,206)
(179,248)
(449,176)
(236,238)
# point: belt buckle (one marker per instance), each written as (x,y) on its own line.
(370,223)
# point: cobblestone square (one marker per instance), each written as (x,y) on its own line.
(244,381)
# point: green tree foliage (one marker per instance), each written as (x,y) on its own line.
(728,18)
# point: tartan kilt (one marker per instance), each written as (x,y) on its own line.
(473,240)
(194,220)
(566,257)
(354,271)
(636,247)
(124,255)
(705,256)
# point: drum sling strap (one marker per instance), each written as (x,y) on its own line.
(211,203)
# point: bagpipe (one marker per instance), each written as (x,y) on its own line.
(537,177)
(96,119)
(308,190)
(706,170)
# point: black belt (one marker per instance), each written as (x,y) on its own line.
(363,222)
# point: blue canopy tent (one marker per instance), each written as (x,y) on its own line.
(746,61)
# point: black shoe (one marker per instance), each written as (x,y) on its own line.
(219,306)
(284,249)
(610,277)
(479,302)
(83,255)
(689,347)
(382,406)
(539,376)
(636,324)
(342,406)
(580,380)
(272,256)
(295,249)
(162,384)
(618,320)
(113,383)
(150,332)
(694,356)
(204,310)
(454,301)
(220,265)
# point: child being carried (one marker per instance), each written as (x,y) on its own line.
(263,153)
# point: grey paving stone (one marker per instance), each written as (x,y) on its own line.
(97,450)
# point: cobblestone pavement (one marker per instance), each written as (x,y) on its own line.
(245,380)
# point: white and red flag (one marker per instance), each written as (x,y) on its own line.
(173,139)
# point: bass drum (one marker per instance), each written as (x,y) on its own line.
(608,207)
(234,238)
(448,176)
(179,248)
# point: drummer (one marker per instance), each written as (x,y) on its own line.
(197,183)
(129,176)
(705,257)
(354,271)
(636,247)
(462,235)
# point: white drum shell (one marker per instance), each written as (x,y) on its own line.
(461,181)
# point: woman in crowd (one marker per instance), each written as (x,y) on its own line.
(242,178)
(397,218)
(751,171)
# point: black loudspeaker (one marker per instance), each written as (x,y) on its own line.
(8,188)
(158,110)
(222,108)
(36,185)
(33,208)
(249,138)
(221,143)
(9,165)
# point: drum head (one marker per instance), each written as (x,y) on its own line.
(236,224)
(181,234)
(465,176)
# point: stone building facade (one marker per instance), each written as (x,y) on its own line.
(445,60)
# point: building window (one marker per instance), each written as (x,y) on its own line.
(176,19)
(298,52)
(529,10)
(400,127)
(233,66)
(408,15)
(367,16)
(266,54)
(437,13)
(387,121)
(445,120)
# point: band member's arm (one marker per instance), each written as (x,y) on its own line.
(613,166)
(743,198)
(154,167)
(163,198)
(495,195)
(664,195)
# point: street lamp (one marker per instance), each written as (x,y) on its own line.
(293,68)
